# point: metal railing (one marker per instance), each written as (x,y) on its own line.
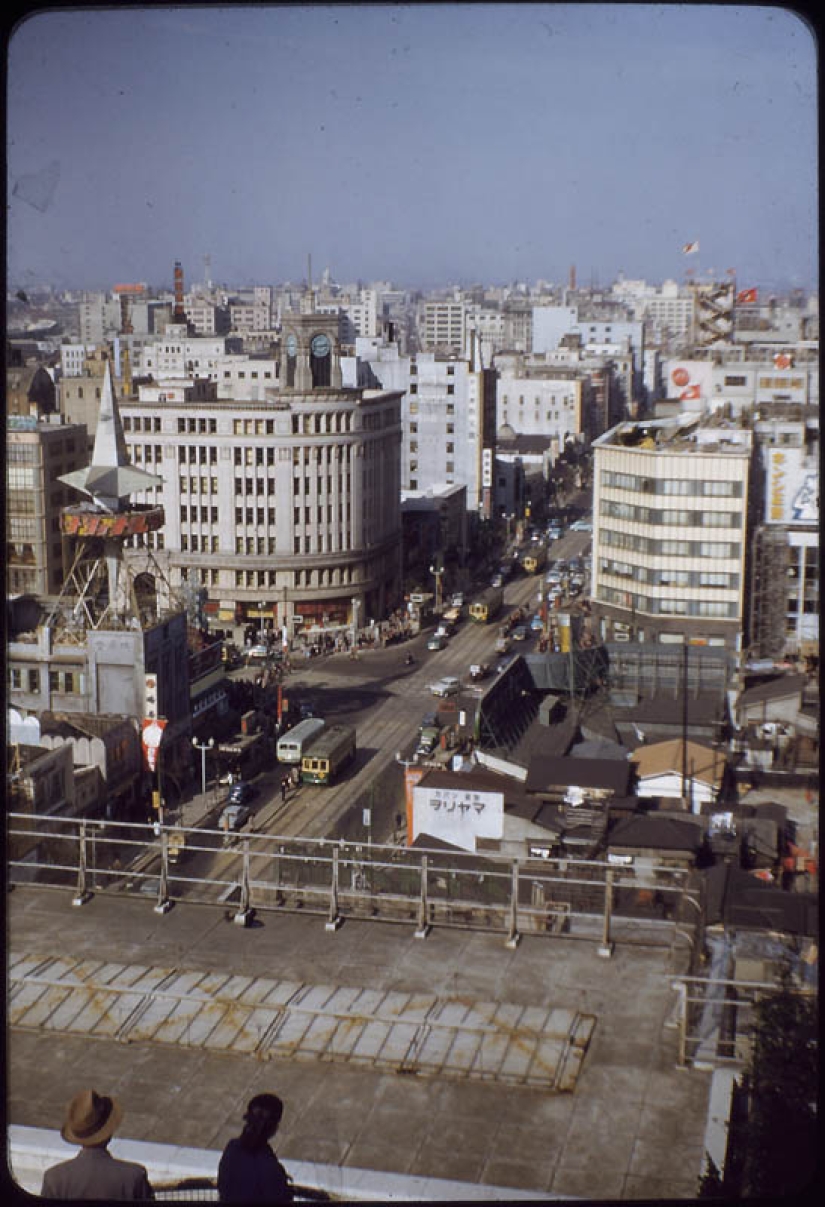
(715,1019)
(335,879)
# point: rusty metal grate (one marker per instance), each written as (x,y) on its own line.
(411,1033)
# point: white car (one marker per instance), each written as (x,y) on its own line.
(448,686)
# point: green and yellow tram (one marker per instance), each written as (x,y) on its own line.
(330,752)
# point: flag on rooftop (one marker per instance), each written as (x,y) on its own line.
(747,295)
(690,248)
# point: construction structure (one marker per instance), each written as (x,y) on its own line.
(114,641)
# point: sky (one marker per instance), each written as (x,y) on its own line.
(423,144)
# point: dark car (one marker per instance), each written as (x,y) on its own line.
(240,794)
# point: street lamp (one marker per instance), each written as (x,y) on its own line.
(203,747)
(354,602)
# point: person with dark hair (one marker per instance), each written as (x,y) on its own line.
(249,1171)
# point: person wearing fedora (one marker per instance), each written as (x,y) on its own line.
(249,1171)
(91,1121)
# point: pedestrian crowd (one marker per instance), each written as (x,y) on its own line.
(248,1171)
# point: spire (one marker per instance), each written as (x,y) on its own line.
(111,477)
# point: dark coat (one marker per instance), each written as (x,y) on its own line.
(95,1174)
(252,1176)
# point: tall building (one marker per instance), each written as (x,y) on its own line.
(448,416)
(38,451)
(286,506)
(670,531)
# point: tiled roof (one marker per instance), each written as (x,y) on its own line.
(545,773)
(660,831)
(703,762)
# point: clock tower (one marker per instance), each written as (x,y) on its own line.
(310,352)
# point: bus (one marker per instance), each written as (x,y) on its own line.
(329,753)
(487,606)
(292,744)
(534,558)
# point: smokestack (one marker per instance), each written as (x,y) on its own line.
(179,315)
(571,280)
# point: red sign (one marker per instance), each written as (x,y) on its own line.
(681,377)
(152,736)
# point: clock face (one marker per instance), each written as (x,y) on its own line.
(291,345)
(320,345)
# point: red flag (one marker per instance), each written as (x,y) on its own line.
(747,295)
(690,248)
(782,360)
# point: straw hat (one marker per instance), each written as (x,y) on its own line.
(91,1118)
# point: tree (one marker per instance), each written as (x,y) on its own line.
(772,1134)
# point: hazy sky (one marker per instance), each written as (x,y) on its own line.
(423,144)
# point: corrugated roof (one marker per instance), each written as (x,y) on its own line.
(774,689)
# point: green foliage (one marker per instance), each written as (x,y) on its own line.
(773,1134)
(779,1157)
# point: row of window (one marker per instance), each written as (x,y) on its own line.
(199,544)
(198,486)
(146,452)
(198,454)
(192,514)
(703,488)
(144,423)
(254,515)
(679,516)
(669,577)
(669,607)
(674,548)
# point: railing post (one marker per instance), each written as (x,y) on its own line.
(334,918)
(681,1020)
(605,948)
(82,894)
(243,915)
(513,937)
(163,903)
(423,928)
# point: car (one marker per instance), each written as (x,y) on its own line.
(497,581)
(457,600)
(240,793)
(502,644)
(446,629)
(479,670)
(448,686)
(437,642)
(582,526)
(519,633)
(257,653)
(537,624)
(235,817)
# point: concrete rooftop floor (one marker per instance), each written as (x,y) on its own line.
(633,1128)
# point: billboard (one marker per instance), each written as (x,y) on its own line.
(792,488)
(458,815)
(688,380)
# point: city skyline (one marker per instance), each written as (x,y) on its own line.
(423,144)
